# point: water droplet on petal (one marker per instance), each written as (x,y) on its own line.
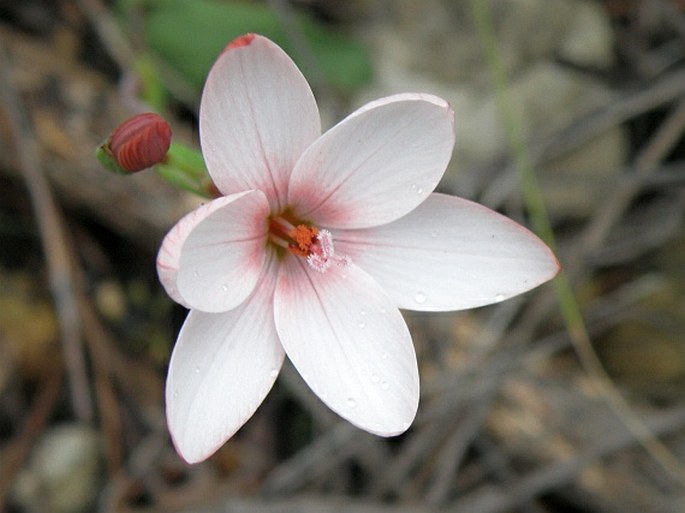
(420,298)
(419,190)
(362,313)
(273,373)
(383,310)
(224,288)
(196,273)
(413,186)
(175,393)
(385,385)
(362,325)
(384,355)
(197,370)
(499,297)
(351,403)
(375,378)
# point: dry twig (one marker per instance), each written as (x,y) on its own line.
(15,453)
(53,237)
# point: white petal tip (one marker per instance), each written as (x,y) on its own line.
(190,456)
(389,432)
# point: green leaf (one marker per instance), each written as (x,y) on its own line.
(190,34)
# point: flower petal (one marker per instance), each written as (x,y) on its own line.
(349,343)
(257,116)
(213,258)
(376,165)
(221,369)
(450,254)
(169,256)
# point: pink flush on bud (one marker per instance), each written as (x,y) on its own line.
(315,244)
(239,41)
(140,142)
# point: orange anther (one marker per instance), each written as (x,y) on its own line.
(304,236)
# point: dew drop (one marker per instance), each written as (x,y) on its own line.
(385,385)
(375,378)
(383,310)
(351,403)
(224,288)
(175,393)
(196,273)
(273,373)
(499,297)
(420,298)
(362,313)
(197,370)
(413,186)
(362,325)
(384,355)
(419,190)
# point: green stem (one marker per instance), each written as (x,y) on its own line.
(534,202)
(184,168)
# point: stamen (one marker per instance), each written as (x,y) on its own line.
(280,225)
(305,237)
(306,241)
(322,253)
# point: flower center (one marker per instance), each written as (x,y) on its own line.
(303,240)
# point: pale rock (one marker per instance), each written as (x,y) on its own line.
(64,472)
(439,37)
(575,184)
(544,99)
(552,96)
(589,38)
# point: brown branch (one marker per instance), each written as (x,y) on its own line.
(67,129)
(561,473)
(108,32)
(53,237)
(16,452)
(108,405)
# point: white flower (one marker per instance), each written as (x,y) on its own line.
(314,247)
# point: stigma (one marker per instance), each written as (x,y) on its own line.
(309,242)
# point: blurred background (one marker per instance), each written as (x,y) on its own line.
(519,412)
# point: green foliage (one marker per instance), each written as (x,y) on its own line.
(185,168)
(152,91)
(107,160)
(190,34)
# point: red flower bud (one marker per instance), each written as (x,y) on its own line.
(140,142)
